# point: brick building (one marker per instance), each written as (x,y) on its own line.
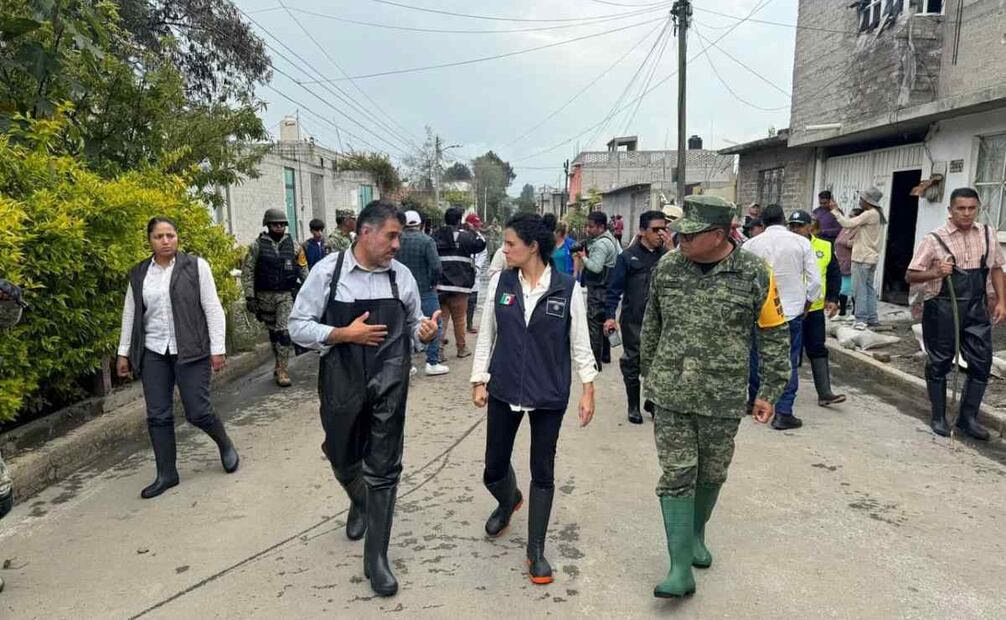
(897,94)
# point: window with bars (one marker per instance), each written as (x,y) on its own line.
(990,178)
(770,186)
(928,7)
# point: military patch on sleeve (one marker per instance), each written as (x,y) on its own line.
(771,310)
(507,299)
(555,306)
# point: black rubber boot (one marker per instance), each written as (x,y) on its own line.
(937,389)
(380,512)
(162,438)
(228,455)
(510,499)
(782,422)
(539,570)
(648,407)
(356,520)
(632,396)
(971,402)
(822,382)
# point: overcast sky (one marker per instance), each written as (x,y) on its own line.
(492,104)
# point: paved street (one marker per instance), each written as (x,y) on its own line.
(860,514)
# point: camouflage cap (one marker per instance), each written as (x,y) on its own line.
(703,213)
(345,214)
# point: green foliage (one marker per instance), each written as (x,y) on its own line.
(458,172)
(594,198)
(457,198)
(492,177)
(526,202)
(425,207)
(384,172)
(69,238)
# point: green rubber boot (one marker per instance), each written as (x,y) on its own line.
(705,500)
(679,523)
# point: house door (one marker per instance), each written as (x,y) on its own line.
(902,217)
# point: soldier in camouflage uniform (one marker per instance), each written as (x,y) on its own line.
(708,302)
(272,272)
(345,223)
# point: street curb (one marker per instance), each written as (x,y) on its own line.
(908,384)
(57,458)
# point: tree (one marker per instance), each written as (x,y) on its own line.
(492,177)
(379,166)
(419,164)
(526,202)
(458,172)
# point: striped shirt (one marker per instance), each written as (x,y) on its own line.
(968,247)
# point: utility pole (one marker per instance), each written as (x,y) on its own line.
(682,12)
(436,171)
(565,189)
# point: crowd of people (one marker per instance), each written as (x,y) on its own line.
(713,315)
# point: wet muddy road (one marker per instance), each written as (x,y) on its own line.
(860,514)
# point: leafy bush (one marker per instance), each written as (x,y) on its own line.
(69,238)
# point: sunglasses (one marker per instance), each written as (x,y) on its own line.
(658,229)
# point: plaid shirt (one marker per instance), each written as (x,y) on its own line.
(968,248)
(418,252)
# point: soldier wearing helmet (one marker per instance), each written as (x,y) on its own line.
(273,270)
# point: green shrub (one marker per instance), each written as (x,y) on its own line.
(68,238)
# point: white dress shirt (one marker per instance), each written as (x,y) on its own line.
(158,318)
(355,282)
(579,338)
(480,265)
(792,259)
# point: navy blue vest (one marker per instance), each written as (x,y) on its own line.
(531,363)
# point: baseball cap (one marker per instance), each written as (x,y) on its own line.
(412,218)
(800,218)
(473,220)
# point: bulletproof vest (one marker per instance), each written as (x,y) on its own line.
(276,268)
(192,335)
(531,362)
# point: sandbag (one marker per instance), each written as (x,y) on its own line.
(864,340)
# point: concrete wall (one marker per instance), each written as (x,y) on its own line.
(320,196)
(798,179)
(630,204)
(605,170)
(981,53)
(839,77)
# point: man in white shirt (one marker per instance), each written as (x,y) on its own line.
(798,279)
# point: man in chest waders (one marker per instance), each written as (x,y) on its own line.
(955,263)
(362,309)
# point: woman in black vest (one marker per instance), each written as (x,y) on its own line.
(173,334)
(540,315)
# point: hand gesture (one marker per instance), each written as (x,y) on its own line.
(586,408)
(358,332)
(480,395)
(762,411)
(218,362)
(122,366)
(609,326)
(429,327)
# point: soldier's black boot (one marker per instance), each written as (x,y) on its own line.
(971,402)
(937,389)
(162,438)
(648,407)
(380,512)
(510,499)
(539,511)
(632,396)
(228,455)
(822,382)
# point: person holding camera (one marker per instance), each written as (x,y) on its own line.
(630,285)
(595,259)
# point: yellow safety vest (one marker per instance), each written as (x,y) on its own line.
(822,250)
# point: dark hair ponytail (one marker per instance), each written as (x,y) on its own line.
(160,219)
(530,228)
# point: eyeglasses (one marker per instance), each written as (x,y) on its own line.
(658,229)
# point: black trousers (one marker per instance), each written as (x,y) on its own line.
(161,373)
(599,345)
(500,432)
(975,337)
(473,300)
(814,334)
(629,362)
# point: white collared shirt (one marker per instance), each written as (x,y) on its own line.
(579,338)
(158,317)
(794,264)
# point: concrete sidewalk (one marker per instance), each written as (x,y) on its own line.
(860,514)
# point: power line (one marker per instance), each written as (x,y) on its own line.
(623,4)
(488,58)
(649,79)
(349,102)
(489,18)
(773,23)
(358,22)
(709,59)
(408,137)
(582,90)
(753,12)
(741,63)
(321,117)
